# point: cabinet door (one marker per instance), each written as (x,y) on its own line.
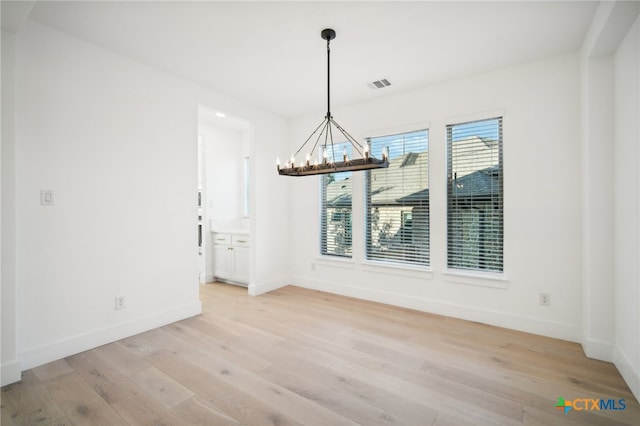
(241,264)
(222,261)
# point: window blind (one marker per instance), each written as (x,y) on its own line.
(397,200)
(335,207)
(475,200)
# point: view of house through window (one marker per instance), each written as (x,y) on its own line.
(335,216)
(475,196)
(397,200)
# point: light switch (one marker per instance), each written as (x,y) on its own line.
(46,197)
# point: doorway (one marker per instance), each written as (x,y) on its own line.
(224,182)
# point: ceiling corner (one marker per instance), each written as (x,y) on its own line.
(14,14)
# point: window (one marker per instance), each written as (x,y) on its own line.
(475,196)
(335,214)
(397,200)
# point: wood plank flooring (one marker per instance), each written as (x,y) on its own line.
(297,356)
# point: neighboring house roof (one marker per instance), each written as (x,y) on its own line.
(483,183)
(388,186)
(417,198)
(339,193)
(474,153)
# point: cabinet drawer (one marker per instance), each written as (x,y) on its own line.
(240,240)
(222,239)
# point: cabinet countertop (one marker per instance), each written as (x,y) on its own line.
(236,231)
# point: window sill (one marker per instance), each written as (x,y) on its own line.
(391,268)
(484,279)
(336,262)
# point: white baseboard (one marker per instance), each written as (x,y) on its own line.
(596,349)
(76,344)
(555,329)
(10,372)
(256,289)
(629,372)
(207,278)
(226,281)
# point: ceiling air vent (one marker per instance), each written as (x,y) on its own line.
(379,84)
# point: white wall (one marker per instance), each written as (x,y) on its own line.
(627,208)
(9,365)
(270,213)
(540,104)
(117,142)
(610,139)
(597,205)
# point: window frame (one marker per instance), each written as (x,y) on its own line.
(398,263)
(477,275)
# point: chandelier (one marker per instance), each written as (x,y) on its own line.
(324,146)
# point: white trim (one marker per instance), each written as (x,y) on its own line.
(76,344)
(207,278)
(473,116)
(483,279)
(391,268)
(261,288)
(336,262)
(10,373)
(628,371)
(529,324)
(597,349)
(232,282)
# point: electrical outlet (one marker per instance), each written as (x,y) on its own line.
(545,299)
(119,302)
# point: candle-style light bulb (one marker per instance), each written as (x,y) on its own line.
(324,155)
(308,159)
(344,155)
(293,161)
(366,151)
(278,163)
(385,153)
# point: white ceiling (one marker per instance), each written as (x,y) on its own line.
(270,54)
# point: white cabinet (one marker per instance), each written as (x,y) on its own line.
(231,257)
(222,261)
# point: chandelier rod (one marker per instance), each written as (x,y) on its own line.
(310,136)
(328,34)
(350,138)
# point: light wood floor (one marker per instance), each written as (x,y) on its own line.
(297,356)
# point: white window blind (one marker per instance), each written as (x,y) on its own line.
(397,200)
(475,196)
(335,210)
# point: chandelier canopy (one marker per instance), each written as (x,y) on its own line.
(321,158)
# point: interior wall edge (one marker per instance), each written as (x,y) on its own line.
(630,375)
(10,372)
(599,350)
(80,343)
(256,289)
